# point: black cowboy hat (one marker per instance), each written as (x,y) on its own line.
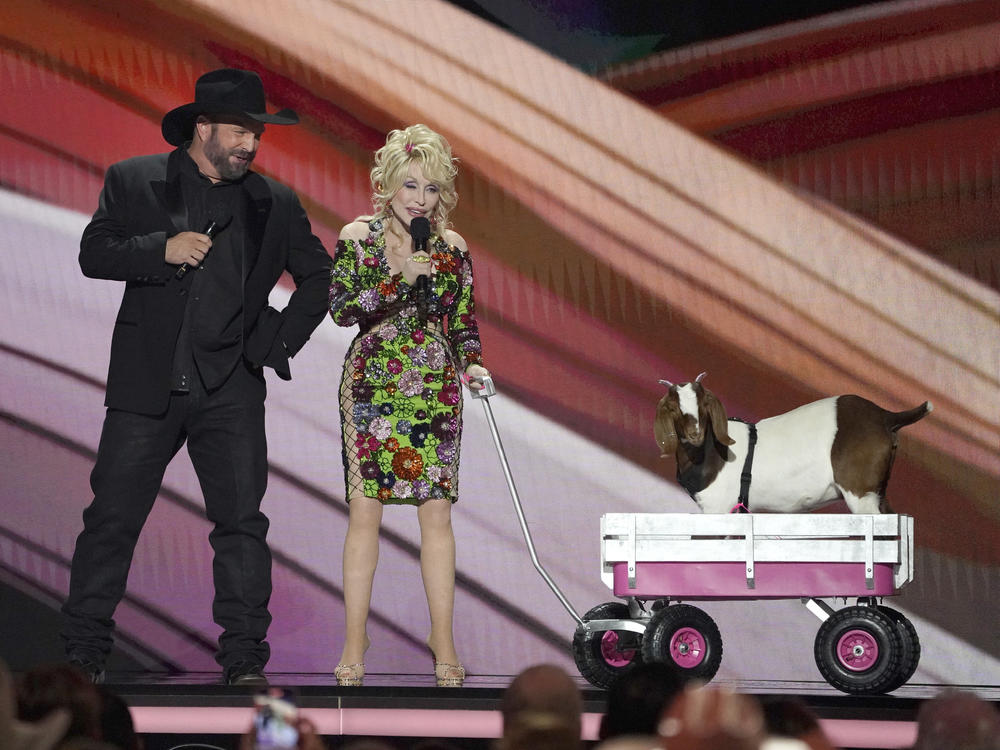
(223,92)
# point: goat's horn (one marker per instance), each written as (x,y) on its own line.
(698,379)
(667,383)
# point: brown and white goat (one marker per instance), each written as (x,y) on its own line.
(836,448)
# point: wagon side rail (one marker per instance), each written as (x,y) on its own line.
(868,540)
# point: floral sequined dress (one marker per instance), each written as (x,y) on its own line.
(400,393)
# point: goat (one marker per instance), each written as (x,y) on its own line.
(836,448)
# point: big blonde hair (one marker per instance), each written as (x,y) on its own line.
(432,152)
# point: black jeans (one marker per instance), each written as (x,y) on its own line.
(224,430)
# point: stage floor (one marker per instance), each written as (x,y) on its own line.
(403,705)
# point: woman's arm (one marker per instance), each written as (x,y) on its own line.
(463,328)
(345,281)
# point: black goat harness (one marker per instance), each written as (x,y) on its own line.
(743,503)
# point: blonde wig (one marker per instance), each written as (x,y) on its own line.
(432,152)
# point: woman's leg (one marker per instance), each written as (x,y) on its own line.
(437,566)
(360,559)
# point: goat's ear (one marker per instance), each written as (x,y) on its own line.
(717,416)
(664,430)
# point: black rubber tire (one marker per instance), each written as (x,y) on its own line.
(685,638)
(604,656)
(909,655)
(858,651)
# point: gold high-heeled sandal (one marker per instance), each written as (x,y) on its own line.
(349,675)
(449,675)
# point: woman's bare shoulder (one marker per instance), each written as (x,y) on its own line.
(357,230)
(454,238)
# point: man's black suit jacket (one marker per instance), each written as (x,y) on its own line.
(140,207)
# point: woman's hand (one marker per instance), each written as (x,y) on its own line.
(415,266)
(475,375)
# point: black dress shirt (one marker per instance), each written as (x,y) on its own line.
(210,343)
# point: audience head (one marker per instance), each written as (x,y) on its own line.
(701,718)
(541,710)
(435,743)
(630,742)
(117,727)
(369,743)
(45,688)
(956,720)
(638,698)
(783,743)
(16,734)
(792,718)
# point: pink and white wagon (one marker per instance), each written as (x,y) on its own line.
(656,563)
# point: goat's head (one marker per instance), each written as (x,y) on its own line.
(684,414)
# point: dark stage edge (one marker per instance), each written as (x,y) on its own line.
(412,706)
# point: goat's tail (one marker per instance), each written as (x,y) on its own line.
(899,419)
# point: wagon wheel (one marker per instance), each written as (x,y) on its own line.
(909,654)
(603,656)
(685,638)
(858,651)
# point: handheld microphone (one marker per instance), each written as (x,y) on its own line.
(420,231)
(211,229)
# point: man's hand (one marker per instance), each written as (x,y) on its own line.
(188,247)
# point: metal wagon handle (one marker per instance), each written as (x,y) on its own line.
(484,394)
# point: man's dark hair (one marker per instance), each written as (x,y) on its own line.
(117,727)
(638,698)
(44,688)
(788,717)
(957,720)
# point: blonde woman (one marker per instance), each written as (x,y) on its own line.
(400,395)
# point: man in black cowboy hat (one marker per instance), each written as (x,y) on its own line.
(200,241)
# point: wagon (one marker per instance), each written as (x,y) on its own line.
(656,563)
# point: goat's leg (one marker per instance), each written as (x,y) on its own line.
(869,502)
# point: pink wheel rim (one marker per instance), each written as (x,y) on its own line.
(687,648)
(612,654)
(857,650)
